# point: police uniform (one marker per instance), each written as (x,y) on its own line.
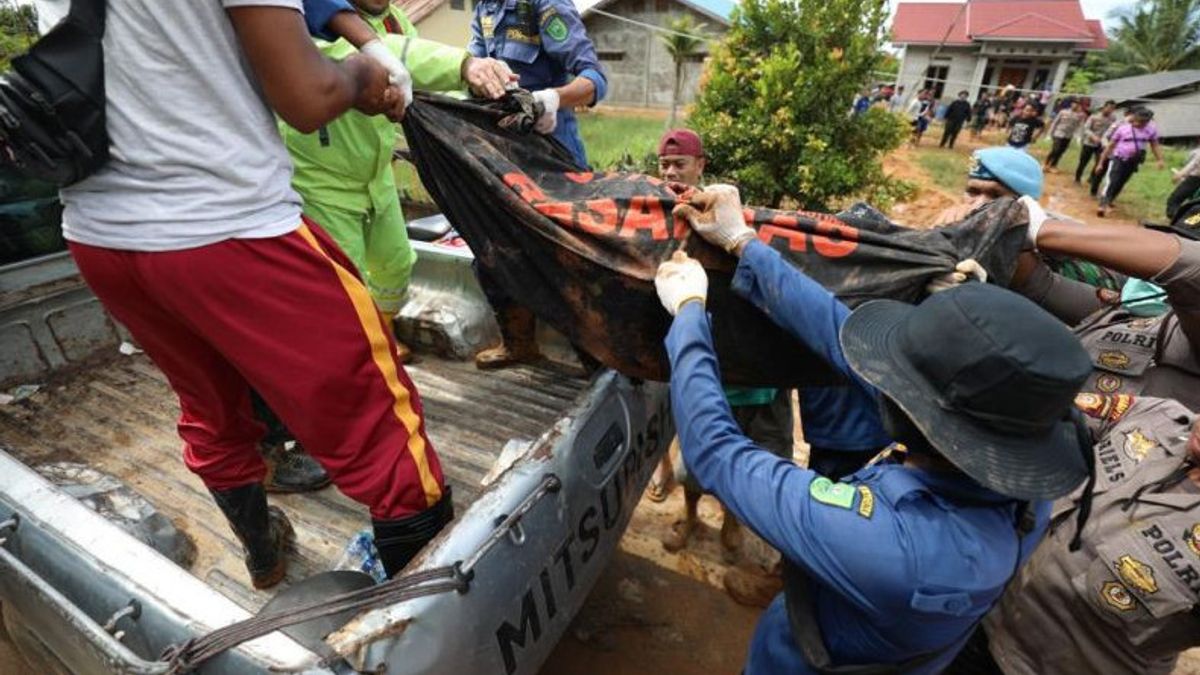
(1127,600)
(546,45)
(344,170)
(1153,356)
(868,558)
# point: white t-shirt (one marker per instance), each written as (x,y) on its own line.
(196,156)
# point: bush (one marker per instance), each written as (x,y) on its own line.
(774,109)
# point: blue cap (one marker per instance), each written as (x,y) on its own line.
(1016,169)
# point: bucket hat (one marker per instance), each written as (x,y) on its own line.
(988,377)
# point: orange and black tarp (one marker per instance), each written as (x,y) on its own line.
(581,248)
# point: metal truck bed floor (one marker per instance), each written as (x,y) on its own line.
(119,417)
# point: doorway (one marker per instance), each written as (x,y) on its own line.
(1013,76)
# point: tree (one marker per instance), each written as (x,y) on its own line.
(1154,36)
(683,42)
(18,31)
(773,109)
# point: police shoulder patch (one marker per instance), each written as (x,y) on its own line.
(556,28)
(1192,537)
(1116,596)
(1110,407)
(828,492)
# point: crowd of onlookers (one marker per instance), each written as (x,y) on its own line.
(1113,144)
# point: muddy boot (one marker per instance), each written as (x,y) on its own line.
(292,470)
(264,531)
(518,340)
(753,586)
(399,541)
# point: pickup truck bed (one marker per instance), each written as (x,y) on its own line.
(118,416)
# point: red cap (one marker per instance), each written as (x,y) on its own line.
(680,142)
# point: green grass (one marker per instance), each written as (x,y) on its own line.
(1145,195)
(610,137)
(946,168)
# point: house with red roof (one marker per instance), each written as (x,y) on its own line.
(989,44)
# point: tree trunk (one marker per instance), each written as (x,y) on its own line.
(675,91)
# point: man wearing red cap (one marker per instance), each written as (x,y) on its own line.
(763,414)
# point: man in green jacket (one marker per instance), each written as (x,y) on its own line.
(344,170)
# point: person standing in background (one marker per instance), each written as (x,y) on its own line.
(1126,152)
(1187,181)
(1092,141)
(957,113)
(1062,129)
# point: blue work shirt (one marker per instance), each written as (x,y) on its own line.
(546,45)
(837,418)
(317,14)
(890,548)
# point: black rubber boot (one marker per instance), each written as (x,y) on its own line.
(292,470)
(399,541)
(264,531)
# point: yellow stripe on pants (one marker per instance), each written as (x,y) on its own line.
(381,352)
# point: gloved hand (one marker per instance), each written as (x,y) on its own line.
(967,269)
(716,214)
(549,120)
(679,280)
(398,75)
(1037,216)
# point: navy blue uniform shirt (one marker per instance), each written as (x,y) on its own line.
(889,548)
(546,45)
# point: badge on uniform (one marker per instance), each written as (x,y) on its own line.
(866,501)
(1110,407)
(1116,596)
(488,24)
(1136,575)
(1138,445)
(1108,383)
(1113,359)
(1192,537)
(556,28)
(828,492)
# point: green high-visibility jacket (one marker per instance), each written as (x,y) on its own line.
(348,162)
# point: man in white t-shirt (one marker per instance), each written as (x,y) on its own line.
(192,237)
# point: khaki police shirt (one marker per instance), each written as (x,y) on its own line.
(1126,601)
(1151,356)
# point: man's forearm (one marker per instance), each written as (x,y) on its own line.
(1135,251)
(578,93)
(306,89)
(351,26)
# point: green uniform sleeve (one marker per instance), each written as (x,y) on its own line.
(433,65)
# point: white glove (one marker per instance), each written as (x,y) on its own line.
(967,269)
(397,74)
(549,119)
(679,280)
(719,216)
(1037,216)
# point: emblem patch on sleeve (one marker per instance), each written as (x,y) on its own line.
(828,492)
(1111,407)
(866,501)
(1117,596)
(1136,575)
(556,29)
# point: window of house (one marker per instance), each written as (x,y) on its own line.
(988,72)
(935,79)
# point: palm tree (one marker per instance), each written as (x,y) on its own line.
(1156,36)
(683,42)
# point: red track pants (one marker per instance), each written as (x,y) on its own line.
(289,316)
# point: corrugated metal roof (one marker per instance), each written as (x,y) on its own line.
(1145,86)
(929,22)
(1178,117)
